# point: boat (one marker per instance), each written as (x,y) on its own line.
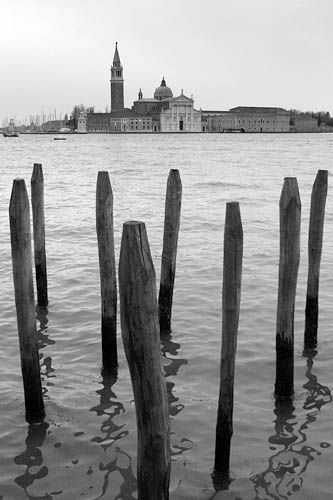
(11,134)
(59,138)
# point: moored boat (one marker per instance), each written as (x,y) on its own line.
(11,134)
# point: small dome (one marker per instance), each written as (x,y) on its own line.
(162,92)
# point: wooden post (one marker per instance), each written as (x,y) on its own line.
(232,276)
(140,332)
(170,240)
(37,202)
(290,228)
(19,218)
(107,267)
(315,243)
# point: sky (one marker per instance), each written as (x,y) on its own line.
(226,53)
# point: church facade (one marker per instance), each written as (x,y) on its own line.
(161,113)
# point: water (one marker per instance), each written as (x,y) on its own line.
(86,447)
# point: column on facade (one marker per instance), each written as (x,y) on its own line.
(176,124)
(172,126)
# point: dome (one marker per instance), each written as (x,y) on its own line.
(162,92)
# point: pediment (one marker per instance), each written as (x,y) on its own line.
(182,98)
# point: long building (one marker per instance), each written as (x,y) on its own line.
(247,119)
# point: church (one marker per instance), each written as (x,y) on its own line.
(161,113)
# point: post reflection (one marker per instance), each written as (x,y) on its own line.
(171,368)
(111,433)
(32,457)
(284,474)
(44,341)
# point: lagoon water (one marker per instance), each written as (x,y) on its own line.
(86,447)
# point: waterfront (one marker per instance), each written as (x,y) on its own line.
(87,446)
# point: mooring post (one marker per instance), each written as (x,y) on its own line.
(231,293)
(315,243)
(107,267)
(290,228)
(37,202)
(170,241)
(19,219)
(140,333)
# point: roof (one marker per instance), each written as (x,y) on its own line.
(255,109)
(209,112)
(122,113)
(147,99)
(163,91)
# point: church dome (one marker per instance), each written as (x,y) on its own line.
(162,92)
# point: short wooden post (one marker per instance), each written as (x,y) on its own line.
(290,228)
(315,243)
(107,267)
(19,218)
(170,240)
(140,333)
(37,202)
(232,276)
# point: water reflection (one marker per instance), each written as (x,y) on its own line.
(171,369)
(44,341)
(32,457)
(284,474)
(111,432)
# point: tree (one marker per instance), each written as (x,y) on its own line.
(78,108)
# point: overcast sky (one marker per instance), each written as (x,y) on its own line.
(57,53)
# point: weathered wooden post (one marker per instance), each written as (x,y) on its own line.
(315,243)
(107,267)
(232,276)
(170,240)
(37,202)
(19,219)
(290,228)
(140,333)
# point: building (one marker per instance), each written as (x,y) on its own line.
(166,113)
(303,122)
(161,113)
(117,83)
(247,119)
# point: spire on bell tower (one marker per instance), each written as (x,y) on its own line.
(116,58)
(117,82)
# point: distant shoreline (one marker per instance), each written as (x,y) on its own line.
(180,133)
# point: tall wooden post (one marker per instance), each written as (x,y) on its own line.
(19,218)
(170,241)
(290,228)
(107,267)
(315,243)
(232,276)
(37,202)
(140,332)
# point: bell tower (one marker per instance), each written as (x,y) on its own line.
(117,83)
